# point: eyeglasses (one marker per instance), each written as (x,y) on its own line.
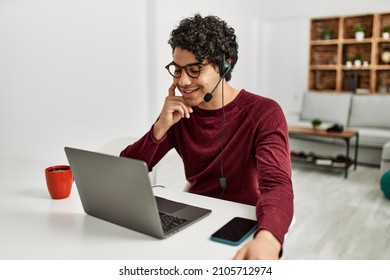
(193,70)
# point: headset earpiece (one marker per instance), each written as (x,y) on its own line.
(225,66)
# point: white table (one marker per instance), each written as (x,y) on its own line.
(33,226)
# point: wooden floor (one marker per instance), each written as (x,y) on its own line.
(339,218)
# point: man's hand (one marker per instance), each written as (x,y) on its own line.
(264,246)
(174,110)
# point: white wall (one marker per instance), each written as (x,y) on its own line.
(82,72)
(285,61)
(278,9)
(71,73)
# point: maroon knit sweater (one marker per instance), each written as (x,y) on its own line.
(256,158)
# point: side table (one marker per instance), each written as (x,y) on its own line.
(345,135)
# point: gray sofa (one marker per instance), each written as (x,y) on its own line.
(368,114)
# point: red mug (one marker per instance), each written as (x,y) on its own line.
(59,180)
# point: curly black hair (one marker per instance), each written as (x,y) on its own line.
(208,38)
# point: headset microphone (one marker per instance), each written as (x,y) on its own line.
(208,97)
(226,70)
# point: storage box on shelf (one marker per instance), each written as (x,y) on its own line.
(351,22)
(319,25)
(323,80)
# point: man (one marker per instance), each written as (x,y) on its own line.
(234,144)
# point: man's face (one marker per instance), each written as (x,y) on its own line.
(193,90)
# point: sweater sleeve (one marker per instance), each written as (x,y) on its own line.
(148,149)
(274,207)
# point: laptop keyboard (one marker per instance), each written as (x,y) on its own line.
(170,222)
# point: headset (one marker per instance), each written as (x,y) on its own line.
(224,69)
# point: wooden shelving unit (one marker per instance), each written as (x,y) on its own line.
(328,68)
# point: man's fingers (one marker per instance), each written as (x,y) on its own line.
(182,109)
(171,91)
(176,103)
(240,255)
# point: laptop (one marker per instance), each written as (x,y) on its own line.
(118,190)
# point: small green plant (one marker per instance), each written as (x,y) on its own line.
(316,122)
(386,28)
(358,56)
(360,28)
(327,33)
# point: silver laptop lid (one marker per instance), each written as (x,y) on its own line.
(116,189)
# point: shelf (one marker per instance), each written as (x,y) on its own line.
(382,47)
(321,162)
(356,68)
(353,80)
(340,165)
(383,81)
(381,40)
(322,79)
(324,42)
(328,70)
(319,25)
(350,51)
(323,55)
(323,67)
(384,20)
(356,42)
(351,22)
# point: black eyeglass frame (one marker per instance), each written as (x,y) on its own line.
(199,64)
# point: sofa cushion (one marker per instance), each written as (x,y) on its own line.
(370,111)
(329,107)
(372,137)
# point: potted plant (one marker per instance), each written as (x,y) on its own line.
(327,33)
(386,32)
(357,60)
(360,30)
(316,123)
(348,63)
